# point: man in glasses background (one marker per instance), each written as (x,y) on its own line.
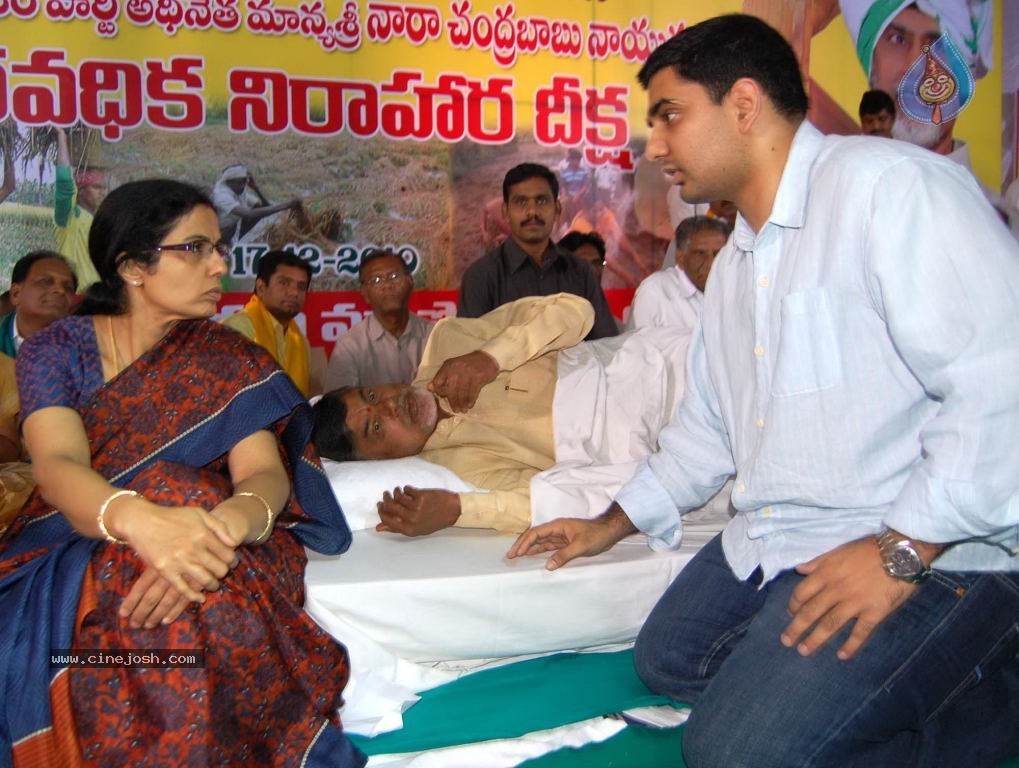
(268,319)
(386,346)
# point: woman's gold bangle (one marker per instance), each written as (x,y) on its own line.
(268,516)
(101,518)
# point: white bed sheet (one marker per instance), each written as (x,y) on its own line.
(415,613)
(453,595)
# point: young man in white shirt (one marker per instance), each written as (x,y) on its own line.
(862,606)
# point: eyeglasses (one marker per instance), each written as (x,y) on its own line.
(389,277)
(198,250)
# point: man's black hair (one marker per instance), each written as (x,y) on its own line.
(379,253)
(24,265)
(718,52)
(691,225)
(875,102)
(572,240)
(273,260)
(526,171)
(331,436)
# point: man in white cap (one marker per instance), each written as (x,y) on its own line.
(890,36)
(244,212)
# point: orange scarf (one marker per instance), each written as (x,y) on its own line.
(295,358)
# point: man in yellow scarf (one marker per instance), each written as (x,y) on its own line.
(281,285)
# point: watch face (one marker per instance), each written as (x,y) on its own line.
(904,562)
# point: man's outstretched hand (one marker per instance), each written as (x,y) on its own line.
(570,537)
(416,511)
(460,379)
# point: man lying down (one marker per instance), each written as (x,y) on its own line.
(502,397)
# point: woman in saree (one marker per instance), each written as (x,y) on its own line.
(176,487)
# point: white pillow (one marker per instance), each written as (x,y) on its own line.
(359,485)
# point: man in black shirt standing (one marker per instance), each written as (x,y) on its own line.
(529,263)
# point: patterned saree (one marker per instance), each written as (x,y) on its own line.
(272,680)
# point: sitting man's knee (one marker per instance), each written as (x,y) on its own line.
(664,668)
(702,747)
(647,657)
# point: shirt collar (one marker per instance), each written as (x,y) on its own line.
(960,154)
(374,327)
(516,257)
(686,285)
(790,206)
(16,334)
(376,330)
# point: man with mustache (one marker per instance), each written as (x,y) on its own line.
(673,296)
(500,398)
(890,36)
(528,263)
(877,113)
(42,292)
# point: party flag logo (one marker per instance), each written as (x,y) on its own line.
(939,84)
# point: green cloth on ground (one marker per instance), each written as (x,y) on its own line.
(515,699)
(537,694)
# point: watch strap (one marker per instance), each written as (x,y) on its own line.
(894,549)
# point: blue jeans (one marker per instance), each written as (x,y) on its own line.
(937,683)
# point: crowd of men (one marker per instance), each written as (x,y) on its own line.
(845,371)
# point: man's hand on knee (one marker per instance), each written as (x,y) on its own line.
(417,512)
(571,537)
(849,583)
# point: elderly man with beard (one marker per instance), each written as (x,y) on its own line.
(890,36)
(528,263)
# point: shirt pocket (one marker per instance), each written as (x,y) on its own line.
(809,359)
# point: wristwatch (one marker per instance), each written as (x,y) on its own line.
(901,560)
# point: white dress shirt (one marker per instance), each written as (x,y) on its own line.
(665,299)
(855,366)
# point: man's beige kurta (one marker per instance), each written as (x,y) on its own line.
(507,437)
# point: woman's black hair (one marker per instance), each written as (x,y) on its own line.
(133,219)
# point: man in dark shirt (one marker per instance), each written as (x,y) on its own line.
(529,263)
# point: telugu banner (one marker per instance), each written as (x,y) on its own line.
(366,124)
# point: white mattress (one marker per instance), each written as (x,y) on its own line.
(415,613)
(453,595)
